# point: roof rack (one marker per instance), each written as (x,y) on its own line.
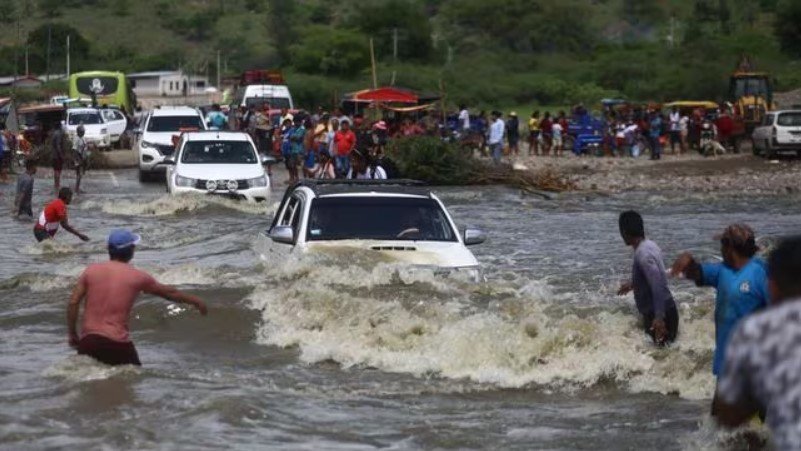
(340,186)
(362,182)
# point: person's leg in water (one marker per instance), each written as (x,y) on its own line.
(78,175)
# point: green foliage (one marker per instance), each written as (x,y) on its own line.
(378,19)
(121,8)
(327,51)
(788,26)
(431,160)
(57,34)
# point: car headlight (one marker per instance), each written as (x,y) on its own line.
(145,145)
(184,182)
(258,182)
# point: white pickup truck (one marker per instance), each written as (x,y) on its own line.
(780,132)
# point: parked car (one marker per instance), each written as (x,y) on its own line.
(158,135)
(779,133)
(220,163)
(117,124)
(95,127)
(403,220)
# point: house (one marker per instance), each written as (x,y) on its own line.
(167,84)
(22,81)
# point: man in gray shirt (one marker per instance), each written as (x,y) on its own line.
(22,201)
(649,282)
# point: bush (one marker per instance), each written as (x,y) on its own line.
(431,160)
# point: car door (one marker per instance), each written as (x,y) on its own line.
(116,122)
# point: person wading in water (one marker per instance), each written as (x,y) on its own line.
(108,291)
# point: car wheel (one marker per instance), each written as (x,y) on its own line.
(144,177)
(755,148)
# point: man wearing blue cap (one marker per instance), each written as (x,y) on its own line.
(109,290)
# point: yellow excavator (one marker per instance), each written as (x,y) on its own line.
(751,93)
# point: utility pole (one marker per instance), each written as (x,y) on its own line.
(395,44)
(372,63)
(68,56)
(218,71)
(49,40)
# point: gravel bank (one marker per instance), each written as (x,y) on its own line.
(735,174)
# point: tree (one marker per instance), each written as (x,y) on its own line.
(121,8)
(58,32)
(8,13)
(788,26)
(382,20)
(324,50)
(281,26)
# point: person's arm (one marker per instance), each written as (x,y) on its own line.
(78,294)
(734,403)
(65,223)
(705,274)
(173,294)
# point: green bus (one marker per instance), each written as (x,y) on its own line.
(110,88)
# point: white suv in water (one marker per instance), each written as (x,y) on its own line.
(400,219)
(780,132)
(219,163)
(156,136)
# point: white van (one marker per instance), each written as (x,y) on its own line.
(277,96)
(156,136)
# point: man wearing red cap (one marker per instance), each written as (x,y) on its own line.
(741,282)
(108,291)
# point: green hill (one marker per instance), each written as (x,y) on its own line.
(484,52)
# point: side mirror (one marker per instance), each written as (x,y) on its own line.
(268,160)
(282,234)
(474,236)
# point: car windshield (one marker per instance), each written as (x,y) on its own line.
(174,123)
(276,103)
(789,119)
(382,218)
(751,87)
(84,118)
(218,152)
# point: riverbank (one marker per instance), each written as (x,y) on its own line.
(743,173)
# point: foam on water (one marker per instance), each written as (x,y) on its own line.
(169,205)
(79,368)
(506,334)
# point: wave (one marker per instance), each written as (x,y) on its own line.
(167,205)
(492,333)
(79,368)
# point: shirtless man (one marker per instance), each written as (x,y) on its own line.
(108,291)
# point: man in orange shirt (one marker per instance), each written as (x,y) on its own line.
(108,291)
(345,140)
(55,215)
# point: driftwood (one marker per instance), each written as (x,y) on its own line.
(535,182)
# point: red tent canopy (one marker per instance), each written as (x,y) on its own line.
(388,95)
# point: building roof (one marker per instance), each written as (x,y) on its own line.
(154,74)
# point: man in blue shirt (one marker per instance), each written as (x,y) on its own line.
(741,282)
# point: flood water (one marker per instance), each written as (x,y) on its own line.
(344,351)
